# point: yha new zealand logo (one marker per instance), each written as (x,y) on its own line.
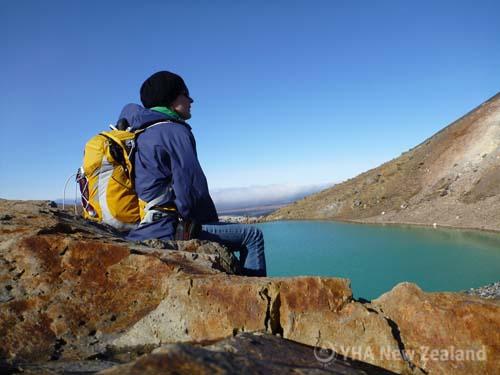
(325,354)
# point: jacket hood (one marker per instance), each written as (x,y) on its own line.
(139,117)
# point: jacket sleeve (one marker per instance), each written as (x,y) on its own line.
(188,180)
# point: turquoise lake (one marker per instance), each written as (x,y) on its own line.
(377,257)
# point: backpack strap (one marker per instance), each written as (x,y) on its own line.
(152,211)
(121,152)
(147,126)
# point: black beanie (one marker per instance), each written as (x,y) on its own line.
(161,89)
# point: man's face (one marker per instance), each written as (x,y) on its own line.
(182,105)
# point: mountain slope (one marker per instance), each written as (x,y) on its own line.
(452,179)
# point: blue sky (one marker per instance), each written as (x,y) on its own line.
(287,93)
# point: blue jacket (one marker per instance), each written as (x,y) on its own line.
(166,161)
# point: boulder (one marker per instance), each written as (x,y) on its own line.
(244,353)
(69,287)
(445,333)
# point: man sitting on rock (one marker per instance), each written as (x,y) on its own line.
(169,180)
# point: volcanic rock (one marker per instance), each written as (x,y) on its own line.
(445,333)
(245,353)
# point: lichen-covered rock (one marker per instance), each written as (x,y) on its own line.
(445,333)
(200,308)
(69,286)
(320,312)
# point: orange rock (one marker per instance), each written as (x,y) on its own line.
(445,333)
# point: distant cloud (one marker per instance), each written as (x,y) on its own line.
(246,197)
(254,196)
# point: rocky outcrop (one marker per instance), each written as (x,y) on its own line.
(75,291)
(444,333)
(451,179)
(245,353)
(69,287)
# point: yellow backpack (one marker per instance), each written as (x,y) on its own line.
(105,179)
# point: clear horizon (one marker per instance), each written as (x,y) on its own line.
(286,95)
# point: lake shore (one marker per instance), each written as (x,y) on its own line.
(264,219)
(240,219)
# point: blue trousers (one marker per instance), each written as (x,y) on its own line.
(246,239)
